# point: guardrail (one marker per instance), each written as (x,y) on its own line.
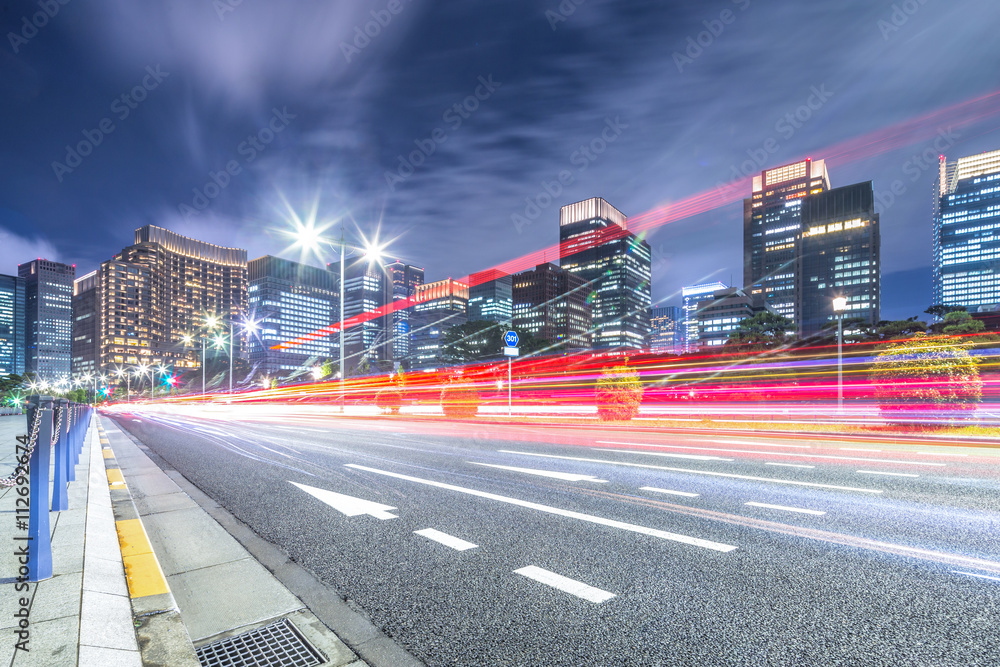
(55,438)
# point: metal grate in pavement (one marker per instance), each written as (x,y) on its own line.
(279,644)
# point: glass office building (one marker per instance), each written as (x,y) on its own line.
(439,306)
(48,302)
(840,257)
(550,303)
(966,266)
(665,324)
(772,232)
(491,296)
(12,332)
(291,302)
(405,280)
(595,244)
(691,296)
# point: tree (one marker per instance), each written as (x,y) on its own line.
(960,322)
(926,373)
(483,340)
(939,311)
(460,400)
(619,393)
(886,330)
(763,331)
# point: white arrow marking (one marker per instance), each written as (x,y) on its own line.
(565,476)
(349,505)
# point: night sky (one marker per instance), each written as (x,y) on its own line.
(310,113)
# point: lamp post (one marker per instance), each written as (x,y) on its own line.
(310,237)
(839,306)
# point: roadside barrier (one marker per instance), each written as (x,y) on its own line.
(56,434)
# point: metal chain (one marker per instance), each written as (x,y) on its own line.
(57,431)
(31,440)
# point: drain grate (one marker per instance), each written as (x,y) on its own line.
(279,644)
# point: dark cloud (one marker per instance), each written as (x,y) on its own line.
(683,129)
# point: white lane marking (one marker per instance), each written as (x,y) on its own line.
(859,449)
(673,493)
(788,465)
(137,420)
(694,541)
(973,574)
(565,584)
(890,474)
(939,454)
(698,472)
(748,451)
(565,476)
(444,538)
(787,509)
(760,444)
(348,505)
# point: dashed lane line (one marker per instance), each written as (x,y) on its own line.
(749,451)
(565,476)
(729,475)
(785,508)
(565,584)
(653,532)
(455,543)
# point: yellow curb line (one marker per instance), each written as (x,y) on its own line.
(115,476)
(142,570)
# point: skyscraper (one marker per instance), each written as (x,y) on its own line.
(162,289)
(367,289)
(691,296)
(772,232)
(490,296)
(720,313)
(550,303)
(840,257)
(666,324)
(86,324)
(405,280)
(290,302)
(48,299)
(439,306)
(12,331)
(595,244)
(966,209)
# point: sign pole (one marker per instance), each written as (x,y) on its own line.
(509,409)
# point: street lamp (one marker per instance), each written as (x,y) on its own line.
(308,236)
(839,306)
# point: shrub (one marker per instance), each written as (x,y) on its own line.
(926,373)
(460,401)
(619,394)
(389,398)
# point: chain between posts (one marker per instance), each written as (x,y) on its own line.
(29,440)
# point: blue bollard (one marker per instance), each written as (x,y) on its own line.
(60,481)
(39,542)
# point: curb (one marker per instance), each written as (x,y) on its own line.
(160,631)
(352,627)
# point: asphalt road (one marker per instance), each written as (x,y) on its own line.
(652,549)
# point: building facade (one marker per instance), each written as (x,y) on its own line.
(491,297)
(595,244)
(666,324)
(405,280)
(86,324)
(772,232)
(12,328)
(290,302)
(48,303)
(367,291)
(721,314)
(966,210)
(691,296)
(550,303)
(840,257)
(439,306)
(158,295)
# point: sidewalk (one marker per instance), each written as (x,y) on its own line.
(142,574)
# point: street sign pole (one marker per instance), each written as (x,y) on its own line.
(510,339)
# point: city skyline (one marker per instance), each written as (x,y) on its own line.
(666,127)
